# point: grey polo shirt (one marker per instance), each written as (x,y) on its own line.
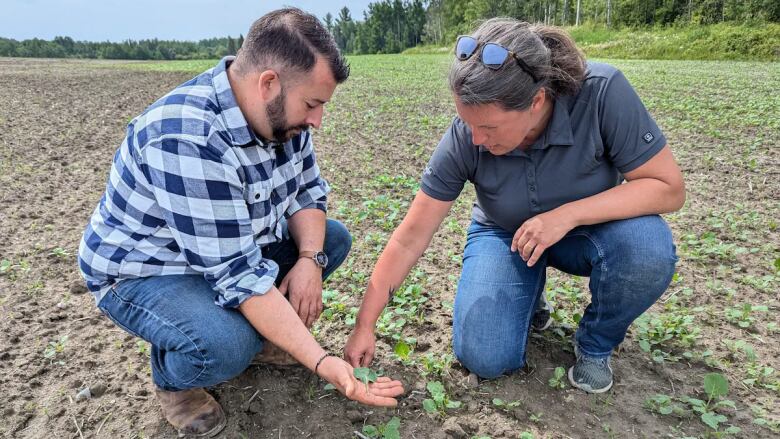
(592,139)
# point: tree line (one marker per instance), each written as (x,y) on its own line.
(391,26)
(66,47)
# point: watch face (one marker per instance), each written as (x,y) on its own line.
(321,259)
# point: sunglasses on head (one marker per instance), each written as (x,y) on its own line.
(493,55)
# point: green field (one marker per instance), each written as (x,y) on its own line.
(722,121)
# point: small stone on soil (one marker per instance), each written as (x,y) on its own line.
(98,390)
(83,395)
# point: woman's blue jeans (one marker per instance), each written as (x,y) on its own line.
(630,264)
(195,343)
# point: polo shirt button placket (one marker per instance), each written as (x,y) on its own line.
(532,189)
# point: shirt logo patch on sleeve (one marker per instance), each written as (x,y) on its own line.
(648,137)
(428,171)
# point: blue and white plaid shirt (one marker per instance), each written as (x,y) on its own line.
(192,190)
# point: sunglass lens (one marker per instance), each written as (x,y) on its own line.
(465,47)
(494,55)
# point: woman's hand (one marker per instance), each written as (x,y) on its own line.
(539,233)
(359,350)
(382,393)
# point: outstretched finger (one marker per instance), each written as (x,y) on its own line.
(390,391)
(376,400)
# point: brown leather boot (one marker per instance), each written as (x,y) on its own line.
(272,354)
(192,412)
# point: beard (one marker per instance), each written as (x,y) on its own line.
(281,130)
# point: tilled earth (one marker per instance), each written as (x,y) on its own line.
(60,123)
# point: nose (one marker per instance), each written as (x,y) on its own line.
(314,118)
(478,138)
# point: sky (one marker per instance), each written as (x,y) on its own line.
(116,20)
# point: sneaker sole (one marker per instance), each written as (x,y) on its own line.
(586,387)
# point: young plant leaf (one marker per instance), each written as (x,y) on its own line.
(715,385)
(712,419)
(429,405)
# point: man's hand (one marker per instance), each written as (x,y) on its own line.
(538,234)
(359,350)
(304,285)
(382,393)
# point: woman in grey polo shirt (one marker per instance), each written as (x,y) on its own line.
(547,140)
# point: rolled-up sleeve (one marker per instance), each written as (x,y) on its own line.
(201,197)
(313,189)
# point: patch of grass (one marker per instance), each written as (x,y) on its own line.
(723,41)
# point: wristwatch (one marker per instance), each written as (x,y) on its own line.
(319,258)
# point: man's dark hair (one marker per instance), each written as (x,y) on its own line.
(290,39)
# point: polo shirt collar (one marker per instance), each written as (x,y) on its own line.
(237,126)
(558,132)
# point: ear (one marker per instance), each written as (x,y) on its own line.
(268,85)
(539,98)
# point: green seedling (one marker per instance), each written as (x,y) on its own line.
(34,288)
(403,351)
(675,327)
(54,348)
(557,381)
(761,376)
(741,350)
(744,316)
(366,375)
(439,401)
(504,405)
(434,365)
(762,418)
(388,430)
(12,270)
(716,387)
(664,405)
(60,253)
(143,348)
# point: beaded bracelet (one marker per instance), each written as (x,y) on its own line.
(316,366)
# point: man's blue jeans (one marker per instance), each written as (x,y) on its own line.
(195,343)
(630,264)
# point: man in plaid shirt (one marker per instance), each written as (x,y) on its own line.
(215,211)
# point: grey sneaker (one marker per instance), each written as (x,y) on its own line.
(593,375)
(542,318)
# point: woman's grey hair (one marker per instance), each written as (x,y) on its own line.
(549,52)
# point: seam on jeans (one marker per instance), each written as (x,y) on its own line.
(529,316)
(602,255)
(197,348)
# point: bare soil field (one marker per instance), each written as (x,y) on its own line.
(61,122)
